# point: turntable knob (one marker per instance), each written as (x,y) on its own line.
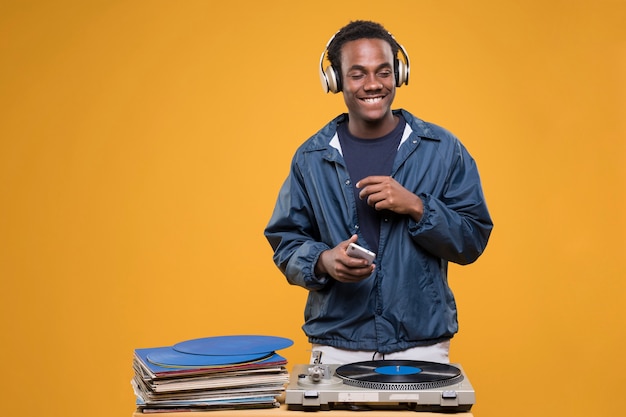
(448,395)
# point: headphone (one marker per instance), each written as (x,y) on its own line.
(331,79)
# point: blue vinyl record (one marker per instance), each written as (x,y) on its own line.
(167,357)
(233,345)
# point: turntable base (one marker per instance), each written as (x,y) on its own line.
(388,386)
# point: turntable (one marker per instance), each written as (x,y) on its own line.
(380,385)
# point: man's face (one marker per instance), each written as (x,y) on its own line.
(369,84)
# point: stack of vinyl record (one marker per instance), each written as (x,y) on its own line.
(213,373)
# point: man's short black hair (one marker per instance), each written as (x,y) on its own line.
(358,29)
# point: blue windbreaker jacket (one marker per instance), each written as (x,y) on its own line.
(406,302)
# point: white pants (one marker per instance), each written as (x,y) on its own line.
(432,353)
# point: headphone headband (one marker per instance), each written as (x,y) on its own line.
(331,78)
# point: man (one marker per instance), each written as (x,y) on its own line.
(403,188)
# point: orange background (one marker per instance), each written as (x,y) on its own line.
(142,145)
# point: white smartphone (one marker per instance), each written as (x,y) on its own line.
(357,251)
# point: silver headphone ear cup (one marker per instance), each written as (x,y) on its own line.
(324,81)
(331,80)
(402,73)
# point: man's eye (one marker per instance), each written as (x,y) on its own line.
(384,74)
(356,76)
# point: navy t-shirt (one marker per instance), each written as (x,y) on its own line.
(366,157)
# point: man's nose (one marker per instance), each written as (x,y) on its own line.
(373,83)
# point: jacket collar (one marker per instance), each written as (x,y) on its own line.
(326,138)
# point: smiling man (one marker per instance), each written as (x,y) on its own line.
(400,187)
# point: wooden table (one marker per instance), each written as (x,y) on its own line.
(283,412)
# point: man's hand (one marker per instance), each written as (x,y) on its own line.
(385,193)
(336,263)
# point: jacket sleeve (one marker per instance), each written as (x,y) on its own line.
(293,234)
(456,224)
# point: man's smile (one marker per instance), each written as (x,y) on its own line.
(372,99)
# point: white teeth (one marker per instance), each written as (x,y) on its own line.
(372,100)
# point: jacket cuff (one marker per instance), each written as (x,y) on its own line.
(313,280)
(426,221)
(300,269)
